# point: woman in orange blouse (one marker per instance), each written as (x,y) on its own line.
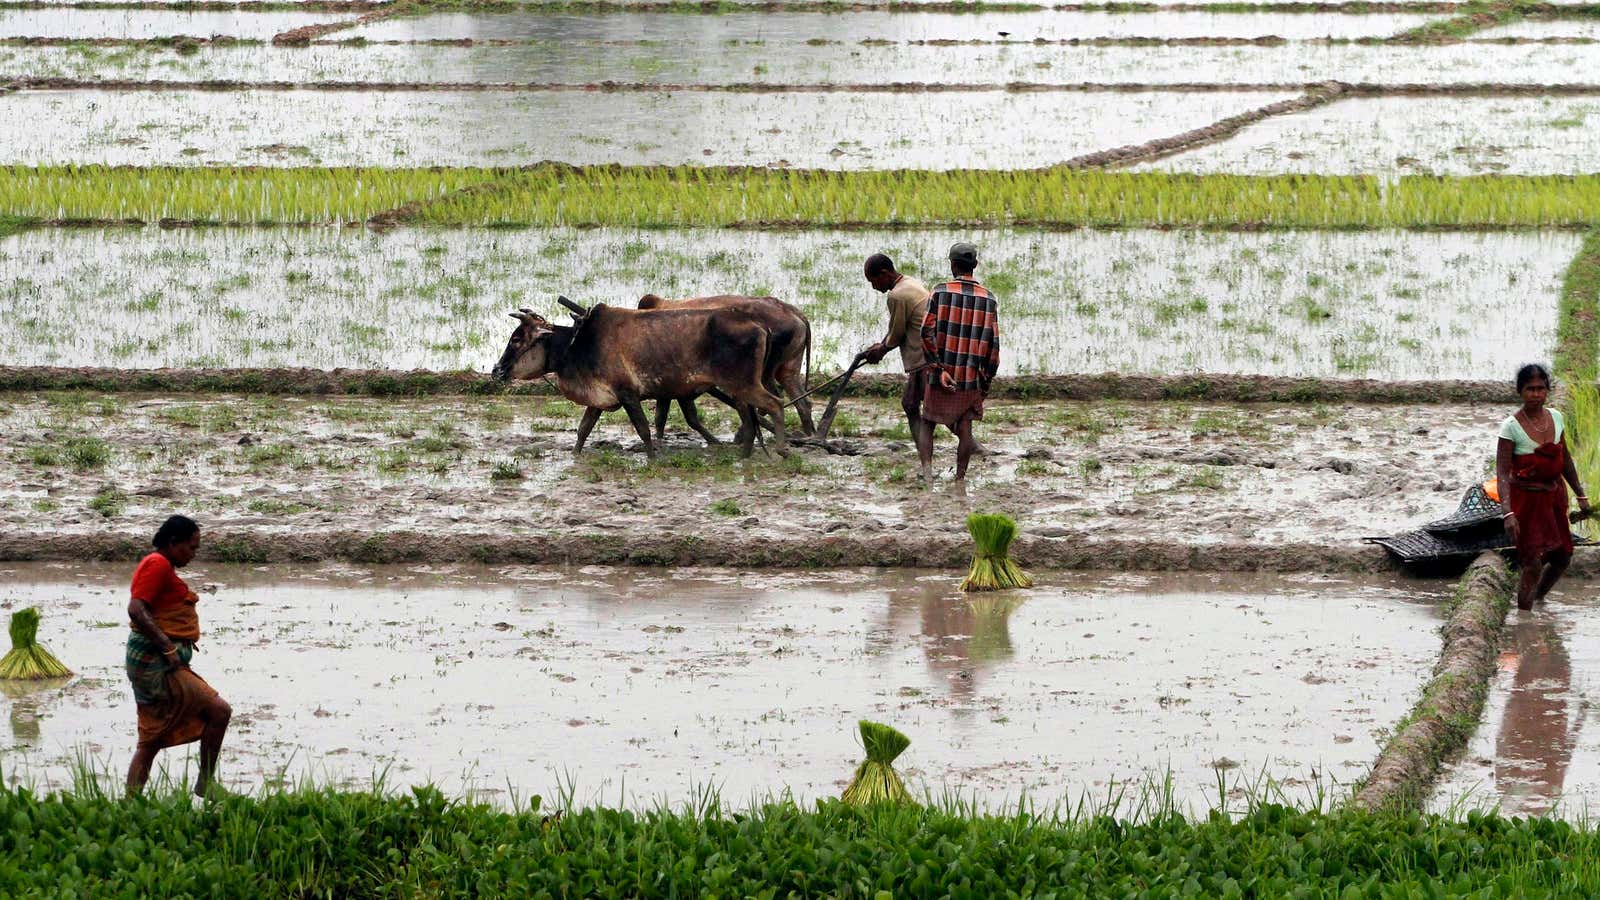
(176,706)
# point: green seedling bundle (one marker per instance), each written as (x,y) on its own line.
(876,780)
(992,570)
(28,661)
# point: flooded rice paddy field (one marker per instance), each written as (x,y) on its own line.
(1373,304)
(1173,474)
(713,62)
(808,130)
(1411,135)
(1544,29)
(133,24)
(852,27)
(641,685)
(1537,749)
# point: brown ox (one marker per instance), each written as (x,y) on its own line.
(788,354)
(611,357)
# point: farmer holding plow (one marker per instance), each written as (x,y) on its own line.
(961,338)
(908,306)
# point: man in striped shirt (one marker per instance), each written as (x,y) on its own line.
(961,339)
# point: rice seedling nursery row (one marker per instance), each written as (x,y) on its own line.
(659,197)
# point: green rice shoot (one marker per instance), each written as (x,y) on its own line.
(28,661)
(992,570)
(876,780)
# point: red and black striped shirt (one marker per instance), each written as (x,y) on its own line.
(961,333)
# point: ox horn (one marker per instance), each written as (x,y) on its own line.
(577,309)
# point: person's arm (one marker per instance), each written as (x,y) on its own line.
(899,311)
(1569,471)
(930,344)
(144,622)
(992,364)
(1502,481)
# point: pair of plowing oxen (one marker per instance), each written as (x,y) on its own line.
(740,350)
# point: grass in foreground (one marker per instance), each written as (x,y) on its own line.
(551,195)
(325,843)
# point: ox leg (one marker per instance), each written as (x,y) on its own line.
(591,415)
(641,425)
(747,430)
(794,385)
(663,409)
(691,415)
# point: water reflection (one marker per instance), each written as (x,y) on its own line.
(26,699)
(961,638)
(1533,748)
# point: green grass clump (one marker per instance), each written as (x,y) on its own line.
(876,780)
(992,570)
(28,660)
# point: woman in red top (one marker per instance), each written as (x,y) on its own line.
(176,706)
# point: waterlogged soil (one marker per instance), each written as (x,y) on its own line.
(853,27)
(1332,304)
(1177,478)
(642,685)
(709,60)
(1411,135)
(1537,750)
(65,22)
(1545,29)
(807,130)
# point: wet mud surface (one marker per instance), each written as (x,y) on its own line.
(1110,484)
(641,685)
(1537,749)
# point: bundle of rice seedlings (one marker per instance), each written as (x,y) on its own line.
(27,660)
(876,781)
(991,569)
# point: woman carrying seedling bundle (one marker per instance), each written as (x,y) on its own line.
(1531,462)
(176,706)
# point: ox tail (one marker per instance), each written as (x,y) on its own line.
(805,384)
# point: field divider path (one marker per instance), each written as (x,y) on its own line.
(305,34)
(827,7)
(424,383)
(564,545)
(1439,725)
(1316,93)
(1320,95)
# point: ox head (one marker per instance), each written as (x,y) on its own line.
(527,354)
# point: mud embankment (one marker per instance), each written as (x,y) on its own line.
(666,549)
(1443,720)
(418,383)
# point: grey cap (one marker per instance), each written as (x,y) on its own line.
(963,252)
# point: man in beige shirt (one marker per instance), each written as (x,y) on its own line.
(908,305)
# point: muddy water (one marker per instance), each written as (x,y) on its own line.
(1412,135)
(1537,750)
(1548,28)
(472,128)
(644,684)
(709,61)
(65,22)
(1382,304)
(673,31)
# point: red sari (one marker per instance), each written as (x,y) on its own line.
(1539,501)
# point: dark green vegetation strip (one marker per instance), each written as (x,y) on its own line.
(423,383)
(315,843)
(1577,355)
(552,194)
(1438,727)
